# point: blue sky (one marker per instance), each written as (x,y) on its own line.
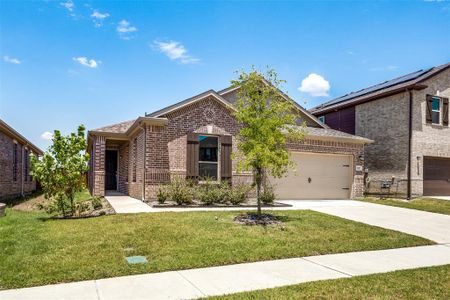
(64,63)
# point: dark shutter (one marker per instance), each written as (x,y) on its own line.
(192,155)
(225,157)
(445,112)
(429,109)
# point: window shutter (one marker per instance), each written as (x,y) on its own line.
(192,153)
(445,111)
(226,142)
(429,109)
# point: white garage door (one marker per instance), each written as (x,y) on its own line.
(316,176)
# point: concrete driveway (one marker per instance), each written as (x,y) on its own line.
(432,226)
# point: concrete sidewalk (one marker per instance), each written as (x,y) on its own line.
(194,283)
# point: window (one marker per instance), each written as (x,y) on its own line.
(15,162)
(436,110)
(134,158)
(25,161)
(322,119)
(208,165)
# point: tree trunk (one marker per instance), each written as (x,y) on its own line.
(258,179)
(72,206)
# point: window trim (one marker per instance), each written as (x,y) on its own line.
(209,162)
(436,111)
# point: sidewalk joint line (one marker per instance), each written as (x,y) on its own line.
(330,268)
(96,289)
(201,292)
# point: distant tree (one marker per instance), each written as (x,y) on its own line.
(61,170)
(268,121)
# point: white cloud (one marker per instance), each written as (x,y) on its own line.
(11,60)
(315,85)
(175,51)
(47,135)
(83,60)
(98,17)
(124,28)
(69,5)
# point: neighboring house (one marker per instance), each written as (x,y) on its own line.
(15,151)
(195,138)
(408,117)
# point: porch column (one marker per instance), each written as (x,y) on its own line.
(99,147)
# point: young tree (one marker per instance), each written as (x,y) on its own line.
(60,171)
(268,121)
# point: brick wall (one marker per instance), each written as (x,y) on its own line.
(98,163)
(386,122)
(428,140)
(123,168)
(136,157)
(10,188)
(166,146)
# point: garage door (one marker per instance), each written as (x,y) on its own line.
(316,176)
(436,176)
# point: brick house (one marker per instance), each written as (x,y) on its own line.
(15,150)
(408,117)
(194,138)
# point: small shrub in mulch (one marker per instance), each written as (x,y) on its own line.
(255,219)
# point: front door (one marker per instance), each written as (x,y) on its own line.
(111,170)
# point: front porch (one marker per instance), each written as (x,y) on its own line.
(108,166)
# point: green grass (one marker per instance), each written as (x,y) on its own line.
(426,204)
(36,250)
(425,283)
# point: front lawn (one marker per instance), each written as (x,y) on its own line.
(425,283)
(426,204)
(36,250)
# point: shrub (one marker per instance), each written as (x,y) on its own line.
(225,192)
(162,195)
(267,196)
(239,193)
(180,192)
(96,203)
(209,192)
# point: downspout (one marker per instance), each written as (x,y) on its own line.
(410,129)
(23,170)
(145,159)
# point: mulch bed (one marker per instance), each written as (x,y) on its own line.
(196,204)
(255,219)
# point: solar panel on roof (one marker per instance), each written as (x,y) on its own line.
(377,87)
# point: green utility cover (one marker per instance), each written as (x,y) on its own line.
(136,259)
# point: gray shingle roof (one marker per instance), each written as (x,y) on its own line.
(121,127)
(331,133)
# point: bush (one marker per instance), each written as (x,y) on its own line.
(180,192)
(239,193)
(225,192)
(162,195)
(96,203)
(209,192)
(267,196)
